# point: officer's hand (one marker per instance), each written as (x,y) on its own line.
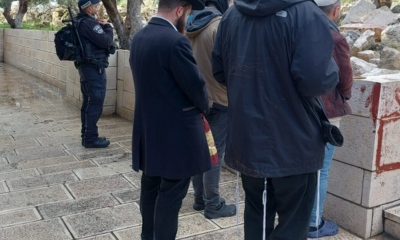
(102,21)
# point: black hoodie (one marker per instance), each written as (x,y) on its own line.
(275,57)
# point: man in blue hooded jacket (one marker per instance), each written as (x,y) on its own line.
(275,57)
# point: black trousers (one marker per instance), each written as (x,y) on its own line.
(93,87)
(160,202)
(292,198)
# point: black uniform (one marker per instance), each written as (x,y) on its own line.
(96,40)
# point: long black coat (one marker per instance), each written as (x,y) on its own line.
(275,58)
(168,134)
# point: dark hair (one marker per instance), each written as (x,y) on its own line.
(329,9)
(171,4)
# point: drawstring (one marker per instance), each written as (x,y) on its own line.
(237,203)
(264,199)
(317,215)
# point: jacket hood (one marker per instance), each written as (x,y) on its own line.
(260,8)
(201,19)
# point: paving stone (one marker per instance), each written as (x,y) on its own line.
(99,186)
(230,221)
(42,181)
(223,234)
(49,154)
(70,207)
(14,200)
(53,141)
(65,132)
(36,150)
(227,176)
(127,196)
(103,220)
(101,237)
(8,167)
(101,153)
(3,187)
(66,167)
(23,143)
(117,132)
(129,234)
(77,148)
(18,217)
(134,178)
(228,192)
(126,143)
(7,153)
(187,205)
(20,136)
(121,138)
(51,229)
(193,225)
(47,162)
(105,170)
(18,174)
(113,159)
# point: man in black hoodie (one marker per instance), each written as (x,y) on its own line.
(201,29)
(275,57)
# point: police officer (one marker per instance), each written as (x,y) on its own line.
(96,38)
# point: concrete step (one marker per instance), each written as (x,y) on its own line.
(392,221)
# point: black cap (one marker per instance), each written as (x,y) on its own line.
(196,4)
(82,4)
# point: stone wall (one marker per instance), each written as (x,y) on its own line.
(33,51)
(365,174)
(1,44)
(125,87)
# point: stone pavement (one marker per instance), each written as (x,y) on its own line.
(51,188)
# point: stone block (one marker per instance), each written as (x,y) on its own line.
(66,167)
(64,208)
(127,196)
(393,214)
(33,197)
(108,110)
(230,221)
(99,186)
(392,228)
(101,153)
(105,170)
(111,98)
(8,167)
(128,81)
(359,143)
(193,225)
(381,188)
(120,65)
(18,174)
(377,217)
(348,215)
(361,67)
(346,181)
(127,55)
(223,234)
(51,229)
(19,217)
(128,100)
(103,220)
(77,148)
(112,60)
(3,187)
(113,159)
(55,153)
(47,162)
(134,178)
(42,181)
(44,36)
(111,78)
(101,237)
(23,143)
(51,36)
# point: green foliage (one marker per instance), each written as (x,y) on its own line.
(4,3)
(35,26)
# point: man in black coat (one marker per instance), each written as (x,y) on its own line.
(275,58)
(97,37)
(169,143)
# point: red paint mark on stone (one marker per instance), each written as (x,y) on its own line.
(393,117)
(363,87)
(375,95)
